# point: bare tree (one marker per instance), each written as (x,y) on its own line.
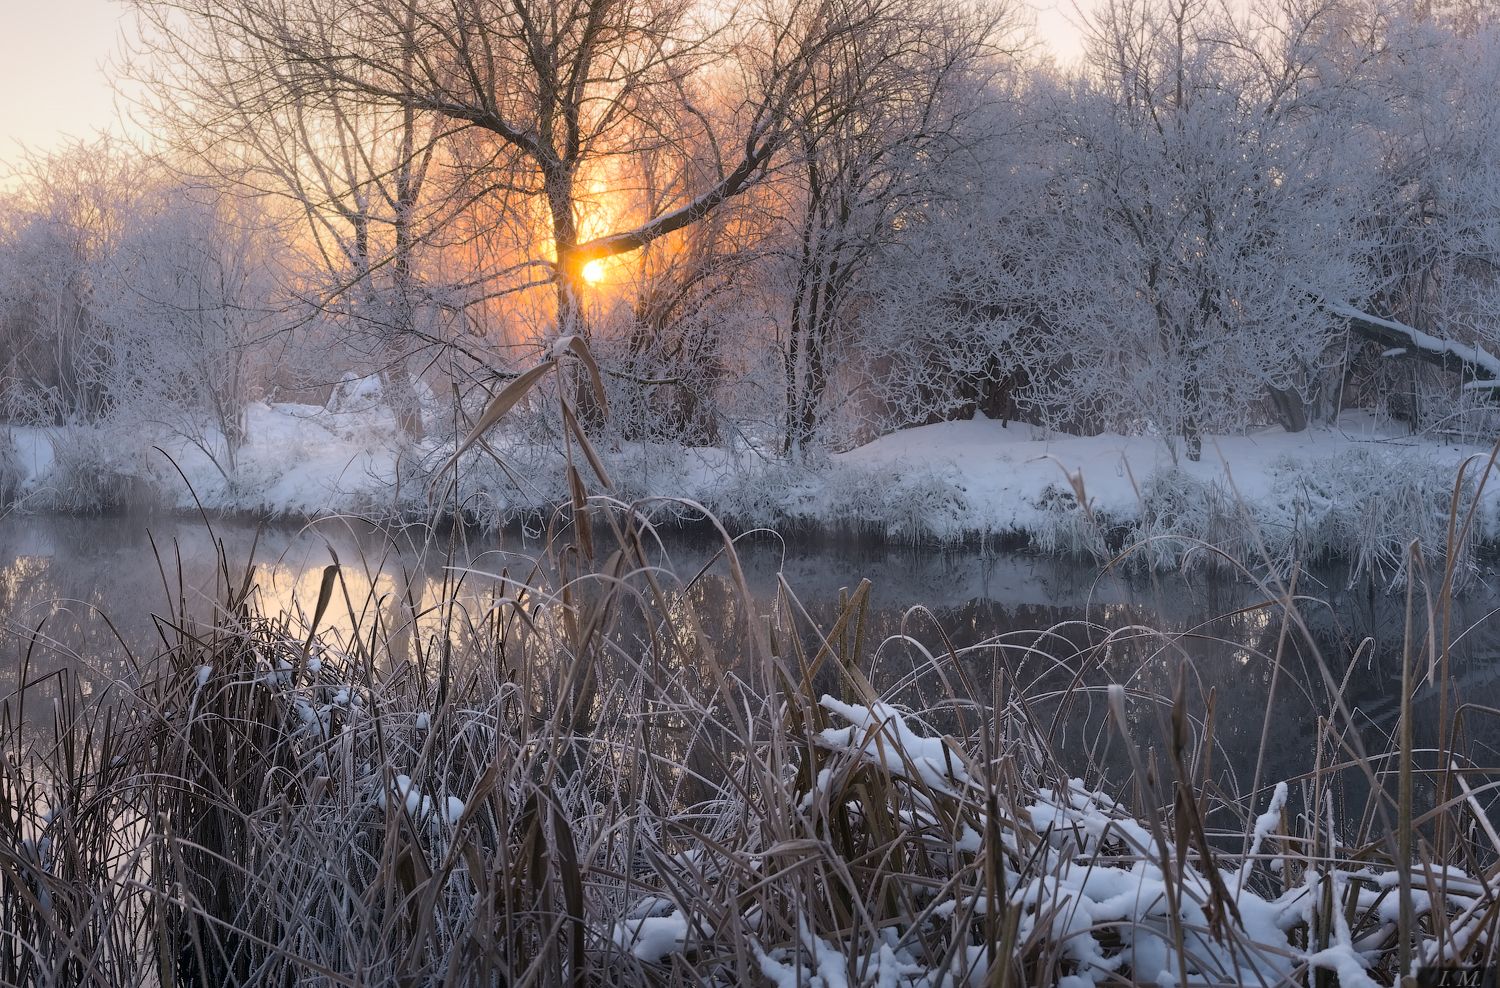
(131,305)
(184,299)
(873,127)
(543,95)
(356,172)
(1432,214)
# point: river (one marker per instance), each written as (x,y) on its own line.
(89,593)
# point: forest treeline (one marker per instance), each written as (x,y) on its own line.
(789,225)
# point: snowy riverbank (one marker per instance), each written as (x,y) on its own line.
(1360,491)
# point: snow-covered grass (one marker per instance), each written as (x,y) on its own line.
(1361,491)
(577,785)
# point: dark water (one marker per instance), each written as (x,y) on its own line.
(89,593)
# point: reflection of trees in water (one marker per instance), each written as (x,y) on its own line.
(1047,624)
(1232,657)
(52,617)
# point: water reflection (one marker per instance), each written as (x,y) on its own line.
(87,593)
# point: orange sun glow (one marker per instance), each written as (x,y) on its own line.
(593,272)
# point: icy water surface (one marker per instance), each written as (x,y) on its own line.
(60,578)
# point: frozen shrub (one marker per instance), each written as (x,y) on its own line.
(100,468)
(911,506)
(927,505)
(1065,526)
(764,494)
(355,394)
(642,471)
(1182,515)
(1369,504)
(496,490)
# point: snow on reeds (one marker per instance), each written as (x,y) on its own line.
(575,784)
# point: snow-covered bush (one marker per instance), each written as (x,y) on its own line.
(355,395)
(1067,527)
(915,505)
(759,492)
(365,398)
(1188,521)
(1368,505)
(100,468)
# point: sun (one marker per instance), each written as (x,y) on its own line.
(593,272)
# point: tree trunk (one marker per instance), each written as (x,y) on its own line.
(1291,410)
(817,384)
(791,442)
(1469,360)
(1192,433)
(572,314)
(400,395)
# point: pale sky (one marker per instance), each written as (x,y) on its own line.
(52,82)
(53,53)
(1057,26)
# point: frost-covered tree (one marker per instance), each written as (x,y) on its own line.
(944,308)
(356,172)
(875,130)
(184,299)
(128,299)
(1203,211)
(65,214)
(1434,216)
(668,339)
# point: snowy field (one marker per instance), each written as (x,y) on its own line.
(1358,492)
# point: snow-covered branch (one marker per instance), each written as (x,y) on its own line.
(1470,359)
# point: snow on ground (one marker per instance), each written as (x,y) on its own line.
(307,460)
(1360,489)
(33,451)
(1005,473)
